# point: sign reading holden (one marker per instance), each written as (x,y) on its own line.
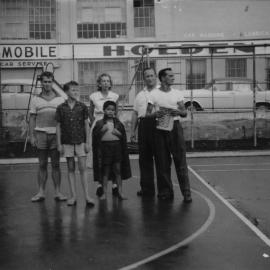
(8,52)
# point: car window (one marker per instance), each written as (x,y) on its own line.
(222,86)
(7,88)
(242,87)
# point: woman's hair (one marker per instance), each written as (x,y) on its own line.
(99,80)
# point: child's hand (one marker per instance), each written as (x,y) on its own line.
(105,128)
(86,148)
(116,132)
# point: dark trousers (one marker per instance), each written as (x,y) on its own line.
(167,144)
(146,130)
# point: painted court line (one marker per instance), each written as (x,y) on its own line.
(260,234)
(184,242)
(231,164)
(233,170)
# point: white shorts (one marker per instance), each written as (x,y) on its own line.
(72,150)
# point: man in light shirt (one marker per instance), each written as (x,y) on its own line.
(42,129)
(168,103)
(146,127)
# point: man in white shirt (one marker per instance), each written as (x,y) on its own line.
(168,103)
(146,127)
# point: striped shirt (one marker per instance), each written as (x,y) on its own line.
(45,113)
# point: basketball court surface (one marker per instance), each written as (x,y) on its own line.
(227,226)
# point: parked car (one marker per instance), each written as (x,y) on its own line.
(16,93)
(228,93)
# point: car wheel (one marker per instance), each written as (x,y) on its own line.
(196,106)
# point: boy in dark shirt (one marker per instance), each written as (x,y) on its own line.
(109,137)
(73,138)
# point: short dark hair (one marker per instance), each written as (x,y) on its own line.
(162,72)
(68,84)
(47,74)
(99,80)
(108,103)
(149,68)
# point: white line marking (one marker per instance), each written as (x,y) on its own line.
(233,170)
(204,227)
(260,234)
(228,164)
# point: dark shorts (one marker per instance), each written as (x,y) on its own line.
(111,152)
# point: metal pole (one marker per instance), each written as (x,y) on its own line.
(147,58)
(1,107)
(254,99)
(191,91)
(212,76)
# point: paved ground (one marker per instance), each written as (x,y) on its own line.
(142,234)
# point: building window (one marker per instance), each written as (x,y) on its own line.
(28,19)
(139,81)
(89,71)
(144,18)
(101,19)
(198,78)
(236,67)
(268,73)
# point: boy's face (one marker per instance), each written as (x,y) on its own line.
(73,92)
(110,111)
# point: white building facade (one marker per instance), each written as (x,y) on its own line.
(83,38)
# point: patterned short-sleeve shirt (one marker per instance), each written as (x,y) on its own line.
(72,122)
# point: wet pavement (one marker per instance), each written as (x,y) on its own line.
(135,233)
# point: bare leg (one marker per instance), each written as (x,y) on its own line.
(56,174)
(84,180)
(71,180)
(117,172)
(105,181)
(42,175)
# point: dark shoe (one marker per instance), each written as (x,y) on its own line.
(187,198)
(38,198)
(166,196)
(60,198)
(141,193)
(90,203)
(71,202)
(99,191)
(115,191)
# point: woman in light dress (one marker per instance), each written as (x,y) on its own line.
(97,99)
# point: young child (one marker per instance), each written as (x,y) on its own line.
(72,138)
(109,133)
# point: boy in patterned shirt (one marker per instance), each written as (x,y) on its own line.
(73,138)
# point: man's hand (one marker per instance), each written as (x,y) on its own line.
(159,114)
(133,137)
(175,112)
(86,147)
(33,141)
(60,149)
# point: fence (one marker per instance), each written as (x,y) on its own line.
(226,88)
